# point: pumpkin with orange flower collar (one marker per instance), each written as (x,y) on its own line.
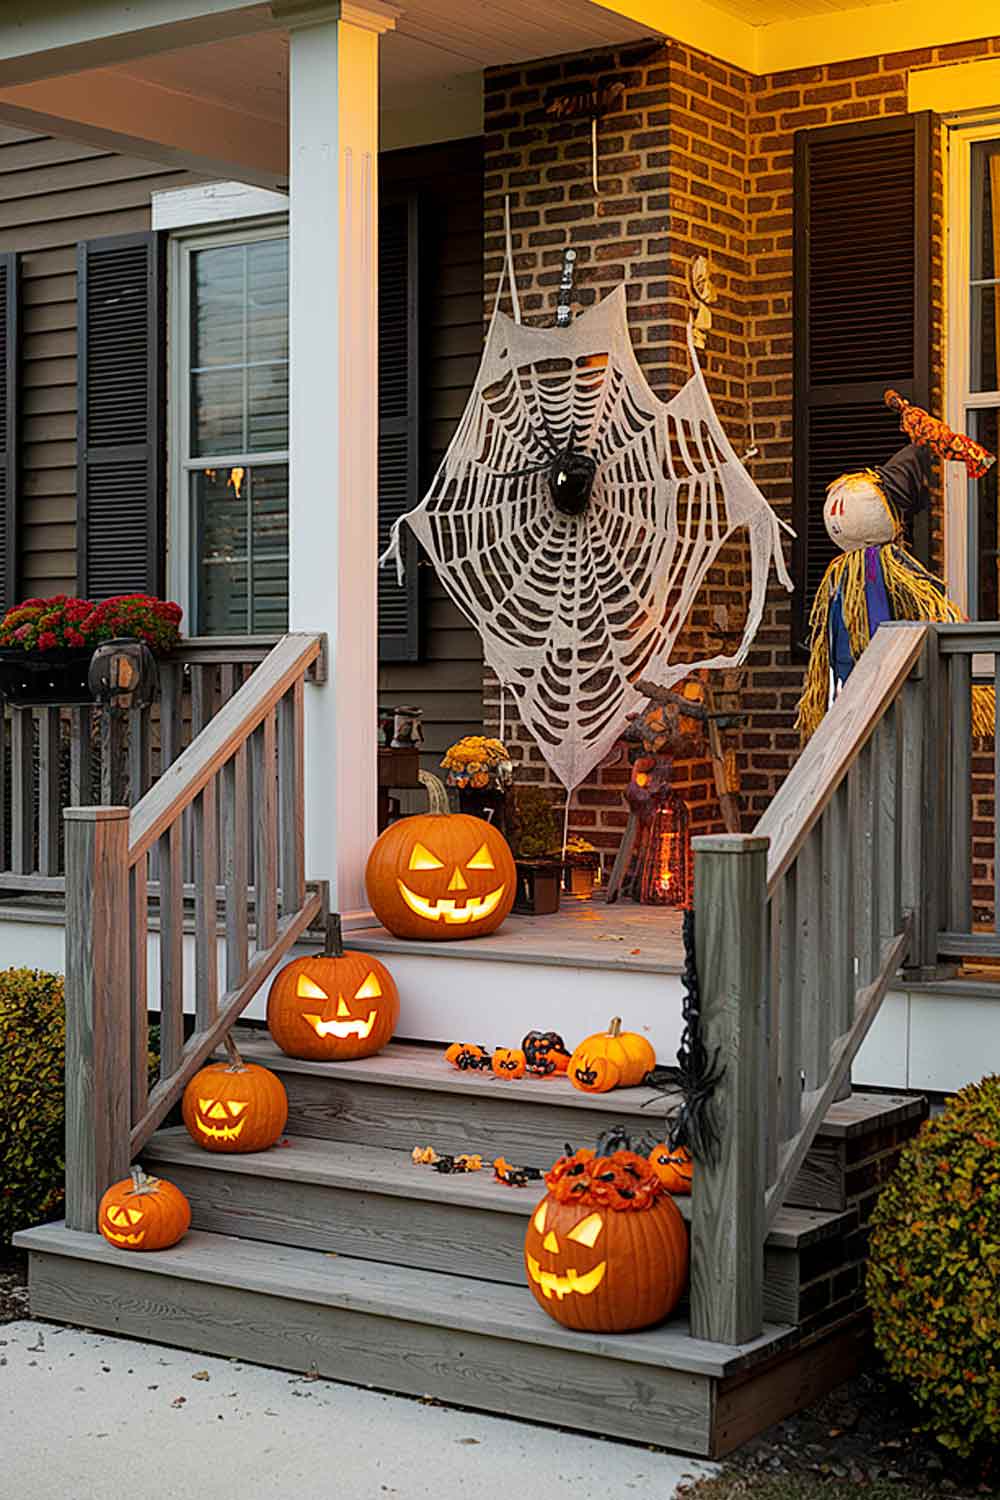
(143,1213)
(673,1166)
(441,876)
(335,1006)
(606,1250)
(234,1106)
(611,1059)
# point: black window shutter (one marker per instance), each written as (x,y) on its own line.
(10,311)
(398,420)
(121,430)
(862,315)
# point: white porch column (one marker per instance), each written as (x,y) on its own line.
(333,84)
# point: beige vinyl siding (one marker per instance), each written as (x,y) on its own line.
(54,193)
(448,681)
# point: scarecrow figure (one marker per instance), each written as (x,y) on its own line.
(875,578)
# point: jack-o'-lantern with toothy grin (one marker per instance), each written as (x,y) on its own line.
(439,877)
(234,1106)
(335,1006)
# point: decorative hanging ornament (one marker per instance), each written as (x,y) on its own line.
(573,520)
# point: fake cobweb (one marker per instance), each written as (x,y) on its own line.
(574,609)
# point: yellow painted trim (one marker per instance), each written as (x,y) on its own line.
(955,89)
(811,41)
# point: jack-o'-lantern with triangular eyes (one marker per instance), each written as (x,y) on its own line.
(234,1106)
(143,1213)
(335,1006)
(606,1250)
(441,876)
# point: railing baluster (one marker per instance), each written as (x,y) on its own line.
(139,754)
(3,785)
(838,924)
(49,797)
(887,873)
(914,847)
(863,785)
(266,813)
(235,853)
(171,950)
(291,754)
(812,961)
(996,794)
(790,1029)
(959,918)
(81,757)
(170,714)
(139,961)
(206,919)
(22,792)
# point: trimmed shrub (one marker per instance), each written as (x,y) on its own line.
(934,1274)
(32,1110)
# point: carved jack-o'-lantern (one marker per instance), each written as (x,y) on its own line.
(606,1250)
(143,1213)
(234,1106)
(334,1007)
(441,876)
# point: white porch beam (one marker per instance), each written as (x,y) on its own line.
(110,109)
(46,38)
(333,393)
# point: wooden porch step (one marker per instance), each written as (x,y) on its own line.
(474,1343)
(374,1204)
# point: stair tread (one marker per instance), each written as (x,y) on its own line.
(375,1168)
(429,1297)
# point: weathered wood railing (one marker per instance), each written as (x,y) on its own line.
(240,783)
(52,758)
(801,927)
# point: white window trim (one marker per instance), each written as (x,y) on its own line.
(961,139)
(220,203)
(181,571)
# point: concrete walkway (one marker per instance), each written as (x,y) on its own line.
(87,1417)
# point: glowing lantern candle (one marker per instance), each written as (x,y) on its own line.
(666,875)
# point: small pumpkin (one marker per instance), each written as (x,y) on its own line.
(606,1249)
(509,1062)
(466,1055)
(545,1053)
(143,1213)
(673,1166)
(441,876)
(234,1106)
(334,1007)
(628,1057)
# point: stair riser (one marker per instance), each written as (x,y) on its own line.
(473,1241)
(544,1384)
(401,1118)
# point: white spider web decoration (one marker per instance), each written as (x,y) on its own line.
(574,609)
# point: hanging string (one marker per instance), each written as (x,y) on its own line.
(503,712)
(514,299)
(565,838)
(593,153)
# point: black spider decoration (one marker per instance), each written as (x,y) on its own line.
(570,472)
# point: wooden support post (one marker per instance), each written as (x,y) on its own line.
(727,1203)
(98,1064)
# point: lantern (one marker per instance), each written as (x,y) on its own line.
(666,875)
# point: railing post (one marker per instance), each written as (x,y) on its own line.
(98,1064)
(727,1204)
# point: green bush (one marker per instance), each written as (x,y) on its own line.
(32,1114)
(934,1275)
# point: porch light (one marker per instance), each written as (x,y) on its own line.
(123,674)
(666,872)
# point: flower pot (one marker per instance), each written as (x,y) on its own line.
(578,880)
(538,882)
(488,802)
(48,678)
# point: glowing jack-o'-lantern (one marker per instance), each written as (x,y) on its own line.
(606,1250)
(234,1106)
(441,876)
(334,1007)
(143,1213)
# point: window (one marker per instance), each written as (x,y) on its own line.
(973,531)
(229,542)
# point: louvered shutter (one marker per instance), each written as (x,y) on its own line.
(398,414)
(862,314)
(9,393)
(121,415)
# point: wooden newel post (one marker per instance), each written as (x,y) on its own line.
(727,1204)
(98,1080)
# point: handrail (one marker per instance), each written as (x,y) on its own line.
(850,723)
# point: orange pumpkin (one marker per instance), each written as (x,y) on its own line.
(611,1059)
(143,1213)
(466,1055)
(673,1166)
(334,1007)
(234,1106)
(509,1062)
(440,876)
(606,1250)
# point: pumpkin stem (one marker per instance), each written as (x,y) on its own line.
(236,1063)
(437,795)
(334,947)
(141,1183)
(616,1026)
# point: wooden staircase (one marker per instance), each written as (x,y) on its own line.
(333,1252)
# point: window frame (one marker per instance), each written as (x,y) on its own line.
(960,516)
(182,568)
